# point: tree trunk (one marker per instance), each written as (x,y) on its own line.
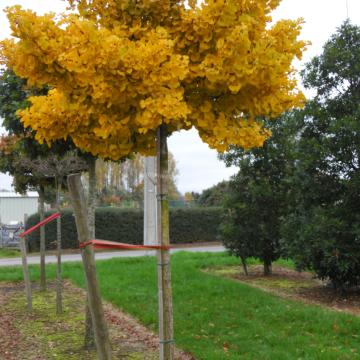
(58,250)
(42,239)
(243,262)
(89,341)
(267,267)
(92,196)
(164,271)
(26,270)
(97,314)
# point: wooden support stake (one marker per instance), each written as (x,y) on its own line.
(59,308)
(102,341)
(164,271)
(42,239)
(26,270)
(89,340)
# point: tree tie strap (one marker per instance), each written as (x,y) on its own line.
(161,196)
(171,341)
(163,264)
(41,223)
(104,244)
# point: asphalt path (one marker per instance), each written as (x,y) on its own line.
(51,259)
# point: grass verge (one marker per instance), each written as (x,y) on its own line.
(9,253)
(218,318)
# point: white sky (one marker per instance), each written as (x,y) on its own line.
(198,165)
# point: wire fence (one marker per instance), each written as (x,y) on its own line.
(133,204)
(9,235)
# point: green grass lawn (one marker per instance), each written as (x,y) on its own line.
(9,253)
(218,318)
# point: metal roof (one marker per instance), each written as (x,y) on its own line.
(30,194)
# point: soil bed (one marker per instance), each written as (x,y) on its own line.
(295,285)
(42,335)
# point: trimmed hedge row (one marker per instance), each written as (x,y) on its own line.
(126,225)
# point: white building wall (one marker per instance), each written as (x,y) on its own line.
(14,208)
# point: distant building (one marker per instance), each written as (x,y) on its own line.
(14,206)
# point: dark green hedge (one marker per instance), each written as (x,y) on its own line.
(126,225)
(194,225)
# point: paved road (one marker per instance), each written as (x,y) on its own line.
(108,255)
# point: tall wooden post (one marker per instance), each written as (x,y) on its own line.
(89,340)
(42,238)
(97,313)
(164,271)
(26,270)
(58,249)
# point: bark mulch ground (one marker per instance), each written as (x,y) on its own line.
(42,335)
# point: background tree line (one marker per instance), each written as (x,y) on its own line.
(121,183)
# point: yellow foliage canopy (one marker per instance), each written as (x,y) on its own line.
(119,69)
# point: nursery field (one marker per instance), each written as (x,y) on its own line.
(217,314)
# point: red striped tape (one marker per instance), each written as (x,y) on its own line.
(104,244)
(41,223)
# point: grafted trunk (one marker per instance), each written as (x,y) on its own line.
(164,270)
(89,341)
(97,314)
(58,250)
(42,239)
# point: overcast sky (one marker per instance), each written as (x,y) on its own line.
(197,164)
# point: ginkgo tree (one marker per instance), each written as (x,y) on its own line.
(125,74)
